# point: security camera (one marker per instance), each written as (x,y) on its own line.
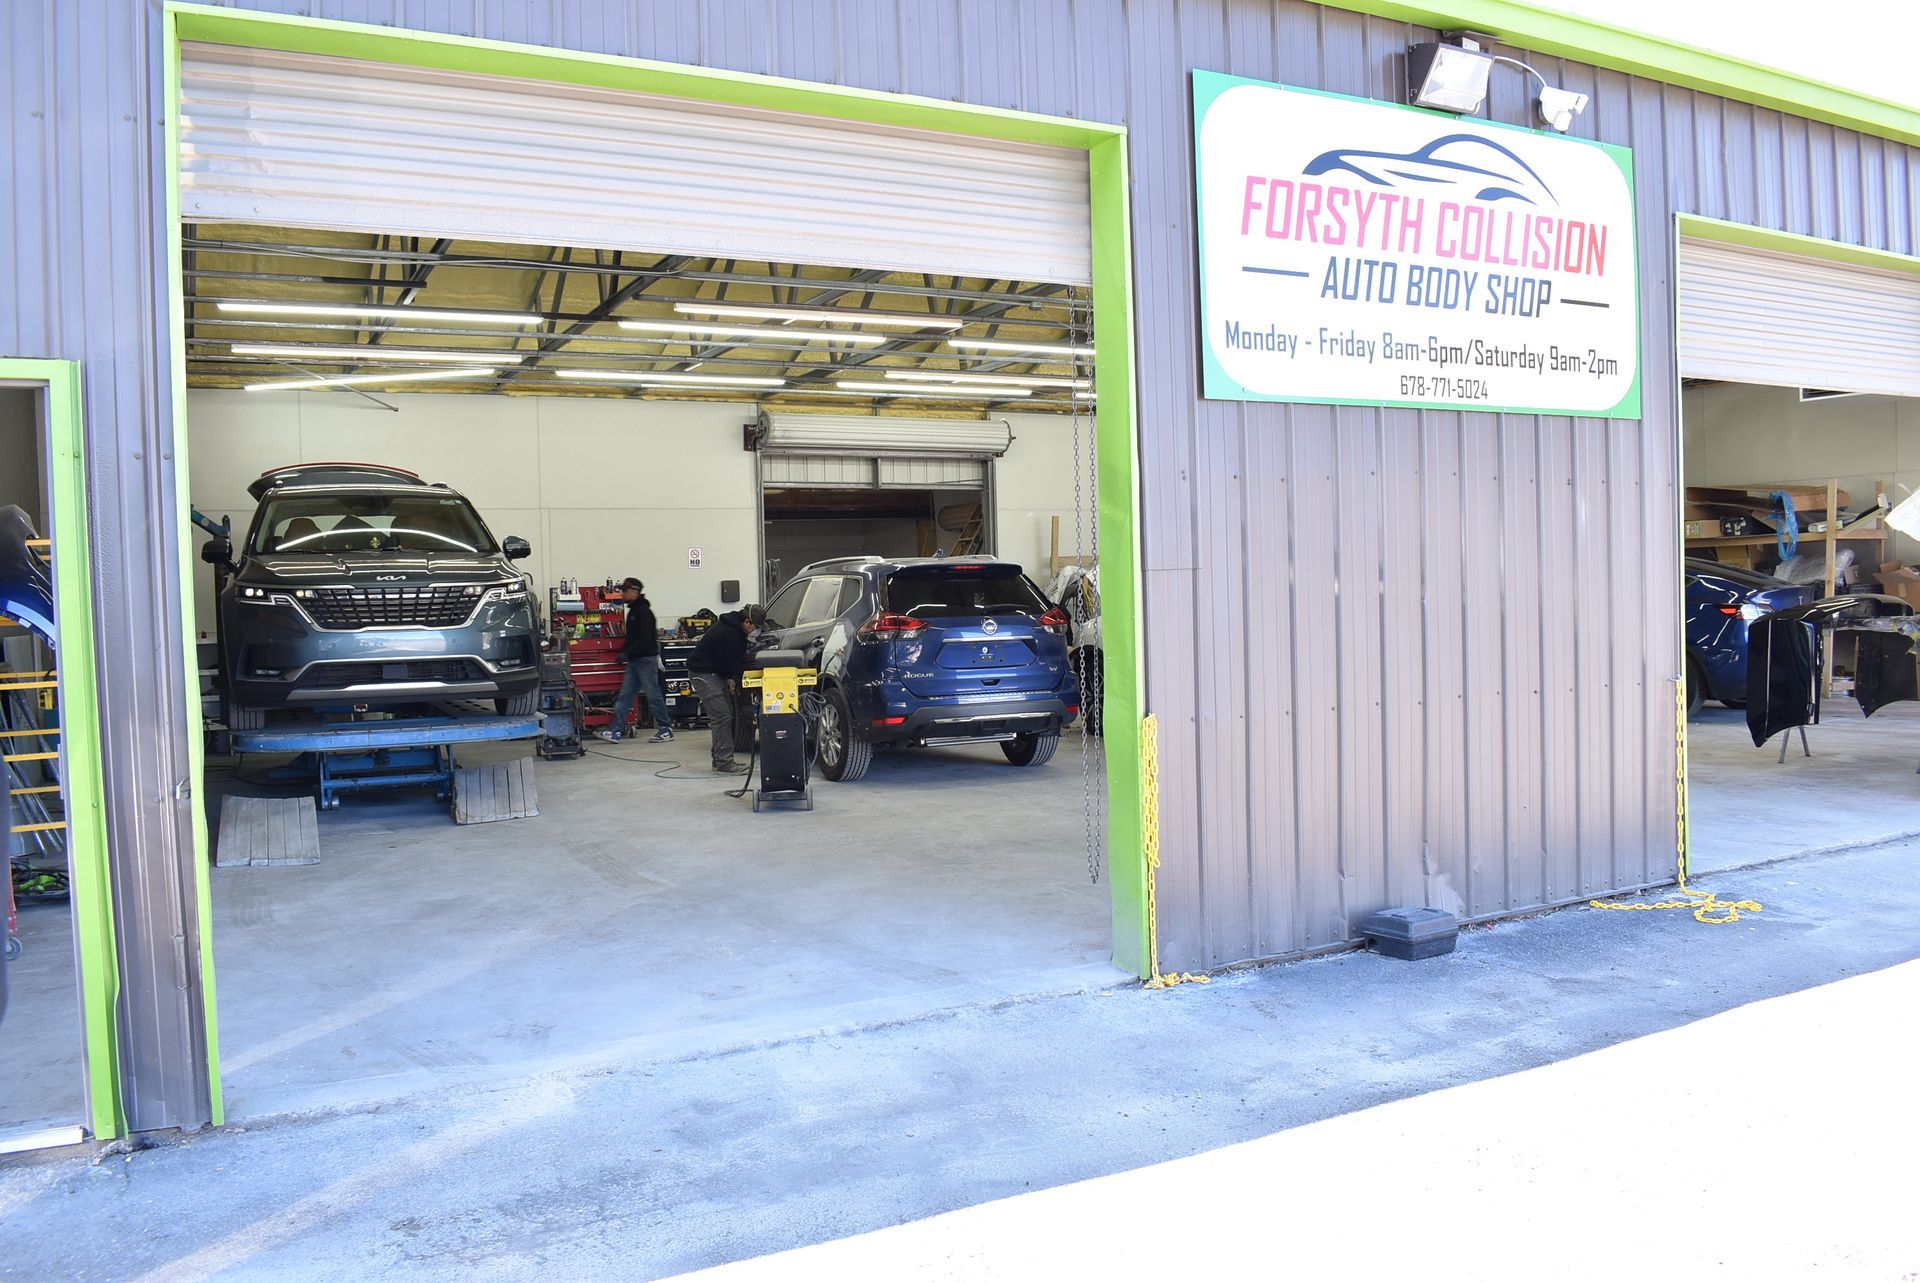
(1558,107)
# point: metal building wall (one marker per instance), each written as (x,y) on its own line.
(1397,656)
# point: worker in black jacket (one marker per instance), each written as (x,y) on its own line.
(718,660)
(642,654)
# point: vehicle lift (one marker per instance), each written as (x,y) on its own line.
(782,754)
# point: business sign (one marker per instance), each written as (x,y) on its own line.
(1362,253)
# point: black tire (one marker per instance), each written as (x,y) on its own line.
(1031,750)
(242,718)
(844,756)
(523,705)
(1696,689)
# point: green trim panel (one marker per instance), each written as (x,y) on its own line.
(1695,227)
(1601,44)
(1116,425)
(88,866)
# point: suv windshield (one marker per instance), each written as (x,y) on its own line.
(369,521)
(939,591)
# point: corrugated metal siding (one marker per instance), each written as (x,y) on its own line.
(1394,653)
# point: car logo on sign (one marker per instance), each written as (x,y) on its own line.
(989,627)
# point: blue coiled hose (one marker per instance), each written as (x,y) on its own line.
(1786,525)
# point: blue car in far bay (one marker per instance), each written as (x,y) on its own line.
(1722,602)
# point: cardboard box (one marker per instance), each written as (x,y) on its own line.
(1897,580)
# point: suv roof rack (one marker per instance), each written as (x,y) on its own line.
(336,473)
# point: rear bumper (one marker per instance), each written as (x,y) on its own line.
(954,722)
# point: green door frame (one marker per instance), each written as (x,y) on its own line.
(1116,428)
(89,886)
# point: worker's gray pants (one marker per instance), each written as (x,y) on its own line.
(718,705)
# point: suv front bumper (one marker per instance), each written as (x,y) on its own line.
(277,658)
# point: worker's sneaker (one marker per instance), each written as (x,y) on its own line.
(662,736)
(731,768)
(611,737)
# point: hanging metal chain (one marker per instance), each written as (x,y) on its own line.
(1086,552)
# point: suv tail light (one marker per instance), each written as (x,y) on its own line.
(891,625)
(1055,621)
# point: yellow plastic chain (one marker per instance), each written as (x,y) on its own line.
(1707,907)
(1150,838)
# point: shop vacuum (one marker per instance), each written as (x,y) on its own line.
(779,678)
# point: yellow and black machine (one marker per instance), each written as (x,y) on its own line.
(783,756)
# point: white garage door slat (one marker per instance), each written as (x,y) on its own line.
(1749,316)
(312,141)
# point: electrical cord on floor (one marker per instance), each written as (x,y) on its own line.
(668,763)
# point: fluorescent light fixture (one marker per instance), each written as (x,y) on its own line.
(746,332)
(1004,345)
(996,380)
(383,313)
(373,355)
(359,380)
(894,389)
(665,379)
(1448,77)
(835,315)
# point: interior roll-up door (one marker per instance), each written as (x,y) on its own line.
(877,434)
(307,140)
(1752,316)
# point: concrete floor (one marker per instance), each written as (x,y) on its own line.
(657,1168)
(1858,787)
(642,918)
(41,1041)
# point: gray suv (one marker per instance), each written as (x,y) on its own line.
(359,587)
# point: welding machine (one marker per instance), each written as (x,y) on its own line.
(779,677)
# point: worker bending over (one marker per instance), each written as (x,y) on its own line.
(715,667)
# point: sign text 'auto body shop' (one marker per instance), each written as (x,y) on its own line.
(1362,253)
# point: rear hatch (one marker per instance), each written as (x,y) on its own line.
(971,629)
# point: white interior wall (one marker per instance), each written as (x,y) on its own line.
(599,487)
(1743,434)
(1033,483)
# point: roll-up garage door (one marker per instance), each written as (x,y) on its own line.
(868,452)
(307,140)
(1750,316)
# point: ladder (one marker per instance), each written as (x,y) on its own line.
(972,533)
(24,742)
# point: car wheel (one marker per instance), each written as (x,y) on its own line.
(525,705)
(1696,688)
(1031,750)
(844,756)
(242,718)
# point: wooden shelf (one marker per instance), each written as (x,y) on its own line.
(1767,541)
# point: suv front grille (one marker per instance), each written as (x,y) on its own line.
(446,606)
(411,670)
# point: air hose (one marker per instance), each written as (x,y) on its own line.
(1786,525)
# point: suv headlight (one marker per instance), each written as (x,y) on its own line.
(262,596)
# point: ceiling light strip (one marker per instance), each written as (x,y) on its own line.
(894,389)
(827,315)
(666,378)
(1006,345)
(368,380)
(389,313)
(371,355)
(749,332)
(996,380)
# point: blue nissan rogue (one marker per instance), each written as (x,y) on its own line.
(926,651)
